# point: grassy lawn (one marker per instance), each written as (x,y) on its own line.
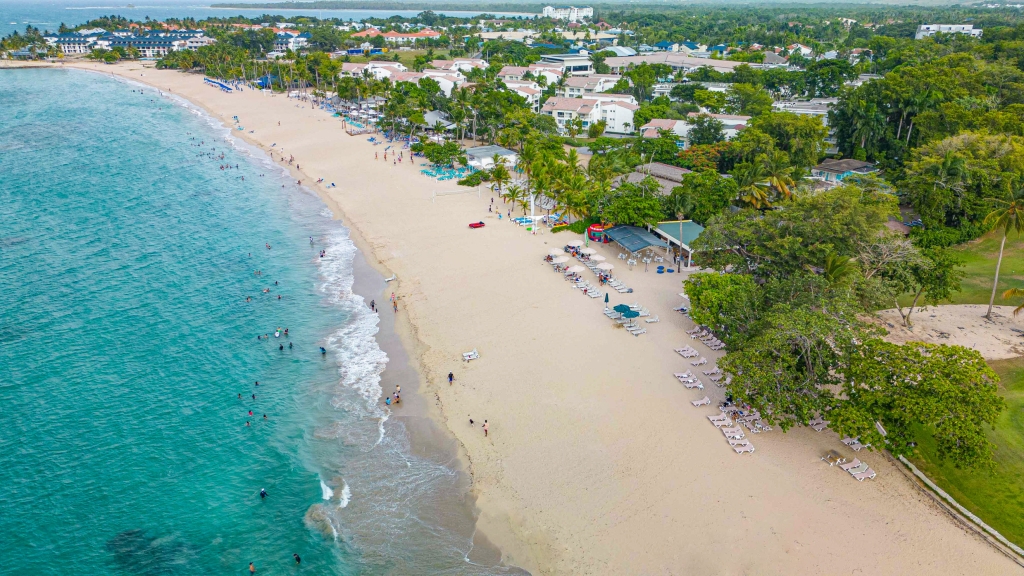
(980,258)
(996,496)
(404,56)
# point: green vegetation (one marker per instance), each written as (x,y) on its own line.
(788,309)
(996,494)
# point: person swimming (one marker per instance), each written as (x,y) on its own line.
(281,347)
(277,333)
(323,350)
(263,493)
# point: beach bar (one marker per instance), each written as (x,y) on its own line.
(633,239)
(681,234)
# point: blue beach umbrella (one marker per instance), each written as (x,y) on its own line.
(630,314)
(623,308)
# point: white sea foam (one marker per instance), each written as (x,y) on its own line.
(346,496)
(326,490)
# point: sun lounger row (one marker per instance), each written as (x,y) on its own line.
(858,470)
(687,352)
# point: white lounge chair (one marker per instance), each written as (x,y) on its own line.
(867,474)
(820,426)
(735,433)
(851,464)
(652,320)
(742,449)
(740,442)
(638,331)
(700,362)
(862,467)
(692,385)
(467,356)
(702,402)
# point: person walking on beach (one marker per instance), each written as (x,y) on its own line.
(485,428)
(373,306)
(394,304)
(451,378)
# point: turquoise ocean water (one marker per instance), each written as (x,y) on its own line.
(126,255)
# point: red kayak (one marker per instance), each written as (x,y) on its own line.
(477,225)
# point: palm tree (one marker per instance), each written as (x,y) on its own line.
(752,187)
(1008,216)
(514,195)
(680,204)
(779,172)
(499,173)
(1015,293)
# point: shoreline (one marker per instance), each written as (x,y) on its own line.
(576,480)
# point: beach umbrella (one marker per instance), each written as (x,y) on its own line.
(597,258)
(623,308)
(606,299)
(604,266)
(588,251)
(556,252)
(560,260)
(574,243)
(576,269)
(630,314)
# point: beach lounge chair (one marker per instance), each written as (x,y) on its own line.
(820,426)
(862,467)
(702,402)
(652,320)
(715,370)
(848,440)
(693,384)
(851,464)
(740,442)
(700,362)
(719,416)
(856,446)
(867,474)
(742,449)
(736,433)
(467,356)
(636,331)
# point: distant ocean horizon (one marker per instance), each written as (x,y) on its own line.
(16,14)
(135,439)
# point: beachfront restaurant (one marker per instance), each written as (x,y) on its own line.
(482,157)
(633,239)
(681,234)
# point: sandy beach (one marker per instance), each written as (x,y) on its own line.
(596,461)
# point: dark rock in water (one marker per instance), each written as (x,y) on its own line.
(135,552)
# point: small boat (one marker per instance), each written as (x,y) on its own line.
(477,225)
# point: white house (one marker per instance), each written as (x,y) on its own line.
(931,29)
(531,91)
(459,64)
(551,73)
(570,13)
(581,86)
(803,50)
(615,109)
(285,41)
(377,69)
(571,64)
(654,128)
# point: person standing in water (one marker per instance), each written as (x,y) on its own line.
(263,493)
(252,568)
(297,559)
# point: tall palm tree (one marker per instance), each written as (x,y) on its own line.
(514,195)
(1015,293)
(680,204)
(1009,217)
(752,186)
(779,172)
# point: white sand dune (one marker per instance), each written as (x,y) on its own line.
(596,462)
